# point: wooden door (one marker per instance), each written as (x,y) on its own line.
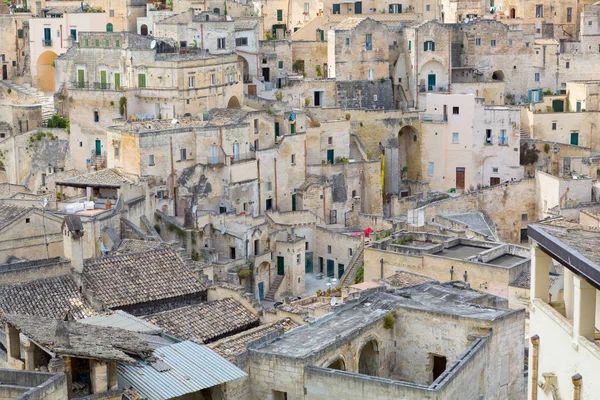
(340,270)
(460,178)
(280,265)
(494,181)
(330,269)
(251,90)
(4,72)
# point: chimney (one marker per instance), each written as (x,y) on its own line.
(61,336)
(73,241)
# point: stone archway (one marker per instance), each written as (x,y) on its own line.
(234,103)
(409,151)
(338,363)
(368,358)
(45,71)
(498,76)
(245,68)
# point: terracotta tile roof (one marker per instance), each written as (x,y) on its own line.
(136,246)
(104,177)
(406,279)
(233,346)
(205,322)
(349,23)
(48,297)
(135,278)
(79,340)
(10,213)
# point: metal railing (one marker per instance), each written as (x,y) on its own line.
(432,88)
(433,117)
(241,157)
(93,85)
(47,42)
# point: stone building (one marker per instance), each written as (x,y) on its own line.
(126,76)
(562,330)
(355,354)
(15,56)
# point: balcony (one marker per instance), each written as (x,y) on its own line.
(433,88)
(47,42)
(436,118)
(243,157)
(93,86)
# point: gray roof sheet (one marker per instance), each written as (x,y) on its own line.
(185,367)
(121,319)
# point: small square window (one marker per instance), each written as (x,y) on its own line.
(455,110)
(494,170)
(182,154)
(554,126)
(455,137)
(80,144)
(151,160)
(96,116)
(427,8)
(526,45)
(510,43)
(293,159)
(111,13)
(305,245)
(568,65)
(589,23)
(330,140)
(347,41)
(27,220)
(280,64)
(493,43)
(268,185)
(117,43)
(477,41)
(116,152)
(328,249)
(298,258)
(524,217)
(537,76)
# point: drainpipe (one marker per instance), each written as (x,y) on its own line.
(276,197)
(563,196)
(381,273)
(576,379)
(324,206)
(61,37)
(535,341)
(258,174)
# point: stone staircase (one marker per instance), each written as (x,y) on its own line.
(270,296)
(350,273)
(524,135)
(47,101)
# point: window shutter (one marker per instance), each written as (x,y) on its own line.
(432,46)
(425,46)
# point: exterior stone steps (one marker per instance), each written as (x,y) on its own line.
(47,102)
(524,135)
(348,278)
(270,296)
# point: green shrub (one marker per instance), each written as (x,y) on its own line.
(360,274)
(243,273)
(546,148)
(58,122)
(389,320)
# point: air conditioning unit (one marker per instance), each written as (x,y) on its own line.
(49,170)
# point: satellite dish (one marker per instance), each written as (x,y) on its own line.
(332,302)
(194,209)
(44,202)
(174,122)
(466,21)
(153,44)
(223,230)
(128,13)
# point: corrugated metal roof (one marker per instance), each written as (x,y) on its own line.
(123,320)
(193,367)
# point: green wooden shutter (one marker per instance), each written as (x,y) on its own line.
(117,81)
(103,79)
(425,46)
(142,80)
(279,15)
(432,46)
(80,78)
(20,33)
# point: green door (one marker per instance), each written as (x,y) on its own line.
(431,82)
(261,291)
(308,262)
(340,271)
(558,105)
(98,147)
(47,37)
(74,34)
(292,128)
(276,129)
(117,81)
(330,269)
(578,106)
(80,78)
(142,80)
(330,156)
(575,138)
(321,265)
(322,35)
(103,79)
(280,265)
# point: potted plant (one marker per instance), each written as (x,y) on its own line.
(108,204)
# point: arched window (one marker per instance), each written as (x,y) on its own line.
(144,30)
(109,27)
(429,45)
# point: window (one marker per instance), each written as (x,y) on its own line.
(280,64)
(96,116)
(330,140)
(97,42)
(427,8)
(371,74)
(117,43)
(409,46)
(293,159)
(347,41)
(494,170)
(524,217)
(116,152)
(526,45)
(455,110)
(349,252)
(111,13)
(478,42)
(503,137)
(220,43)
(369,41)
(226,78)
(73,34)
(575,138)
(568,65)
(493,43)
(20,33)
(161,194)
(151,160)
(589,23)
(241,41)
(107,43)
(268,185)
(298,258)
(455,137)
(569,14)
(142,80)
(374,97)
(27,220)
(539,11)
(255,126)
(279,15)
(488,136)
(430,168)
(537,76)
(212,79)
(182,154)
(305,245)
(86,43)
(510,43)
(429,45)
(307,7)
(328,249)
(191,81)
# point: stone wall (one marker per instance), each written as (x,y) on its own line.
(371,95)
(43,385)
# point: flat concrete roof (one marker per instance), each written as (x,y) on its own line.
(448,299)
(461,251)
(506,260)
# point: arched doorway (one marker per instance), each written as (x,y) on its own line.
(109,27)
(338,364)
(144,30)
(409,166)
(245,68)
(45,71)
(498,76)
(513,13)
(234,103)
(368,360)
(263,279)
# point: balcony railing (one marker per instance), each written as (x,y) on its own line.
(433,118)
(242,157)
(93,85)
(503,140)
(369,46)
(47,42)
(432,88)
